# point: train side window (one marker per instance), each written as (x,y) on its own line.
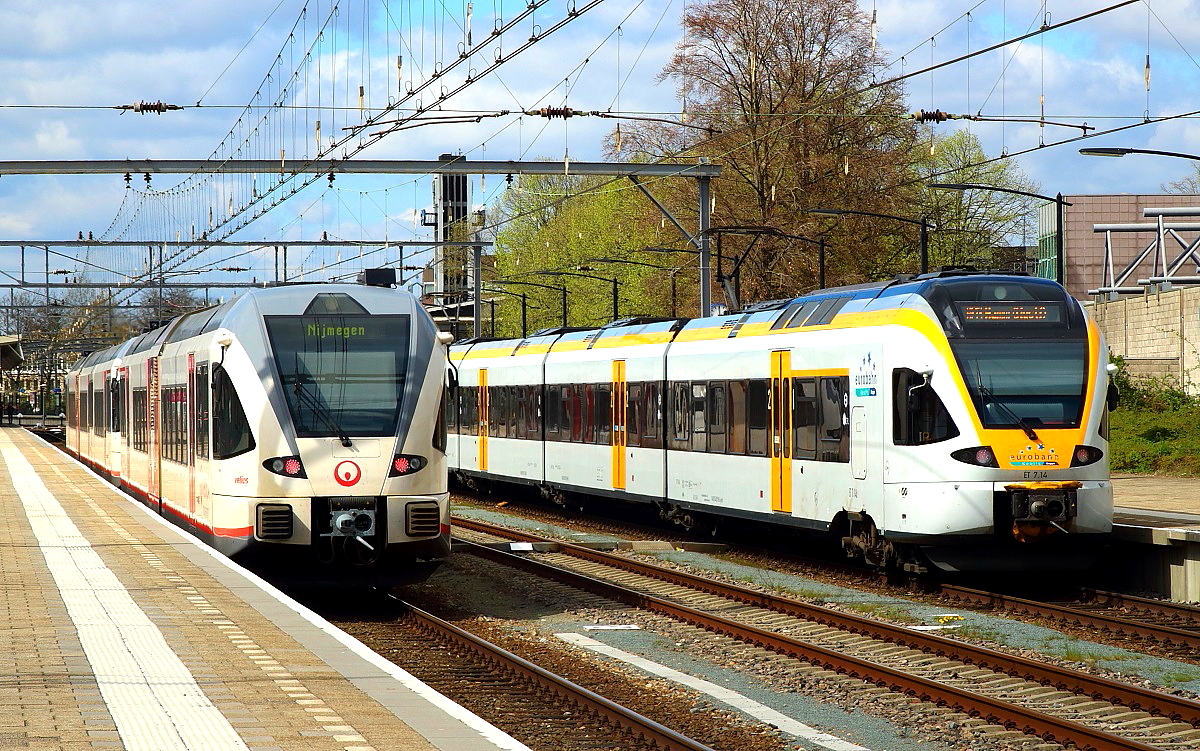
(678,413)
(918,415)
(804,418)
(139,437)
(85,408)
(201,396)
(603,414)
(757,415)
(699,411)
(737,417)
(635,415)
(103,399)
(534,430)
(231,430)
(652,416)
(495,408)
(573,396)
(833,393)
(553,412)
(718,416)
(587,396)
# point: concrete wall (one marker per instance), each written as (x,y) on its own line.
(1157,334)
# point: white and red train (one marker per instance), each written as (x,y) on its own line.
(302,422)
(956,418)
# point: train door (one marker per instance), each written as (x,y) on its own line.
(483,405)
(153,450)
(781,422)
(126,422)
(190,431)
(858,442)
(618,402)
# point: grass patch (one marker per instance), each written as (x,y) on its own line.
(882,611)
(1156,428)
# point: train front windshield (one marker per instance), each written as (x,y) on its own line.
(342,375)
(1021,345)
(1025,383)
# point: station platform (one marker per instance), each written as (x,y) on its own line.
(122,632)
(1156,534)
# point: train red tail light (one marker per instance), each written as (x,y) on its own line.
(980,456)
(406,464)
(1085,455)
(287,466)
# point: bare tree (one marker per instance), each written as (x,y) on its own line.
(786,93)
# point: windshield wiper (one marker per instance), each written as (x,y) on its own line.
(322,410)
(1021,422)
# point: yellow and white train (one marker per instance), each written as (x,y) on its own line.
(957,418)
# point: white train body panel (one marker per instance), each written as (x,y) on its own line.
(303,418)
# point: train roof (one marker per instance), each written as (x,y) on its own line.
(818,308)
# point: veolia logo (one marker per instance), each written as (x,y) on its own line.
(347,473)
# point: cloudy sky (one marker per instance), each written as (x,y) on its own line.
(66,66)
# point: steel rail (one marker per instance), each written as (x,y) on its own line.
(645,728)
(1067,614)
(1177,708)
(1028,721)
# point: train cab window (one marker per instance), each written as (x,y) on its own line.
(736,443)
(757,416)
(603,414)
(804,418)
(918,415)
(699,411)
(834,444)
(231,430)
(718,416)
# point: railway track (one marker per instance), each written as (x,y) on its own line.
(478,672)
(1158,621)
(1034,698)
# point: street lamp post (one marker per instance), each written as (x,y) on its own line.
(923,222)
(562,289)
(1059,203)
(612,281)
(524,305)
(674,271)
(1116,151)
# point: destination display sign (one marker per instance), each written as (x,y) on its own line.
(1011,312)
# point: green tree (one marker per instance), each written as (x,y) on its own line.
(976,227)
(566,224)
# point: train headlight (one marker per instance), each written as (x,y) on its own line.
(980,456)
(406,464)
(288,466)
(1085,455)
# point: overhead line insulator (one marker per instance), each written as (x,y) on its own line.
(142,107)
